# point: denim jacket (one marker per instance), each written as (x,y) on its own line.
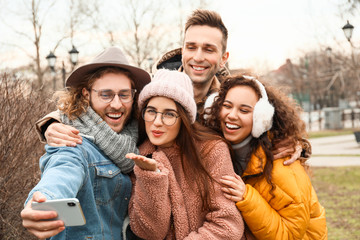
(86,173)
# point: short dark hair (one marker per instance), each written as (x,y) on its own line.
(209,18)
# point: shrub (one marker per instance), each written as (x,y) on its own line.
(20,150)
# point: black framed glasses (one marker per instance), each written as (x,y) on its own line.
(107,95)
(168,117)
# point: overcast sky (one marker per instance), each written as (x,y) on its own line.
(262,33)
(281,29)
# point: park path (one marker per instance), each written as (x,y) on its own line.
(335,151)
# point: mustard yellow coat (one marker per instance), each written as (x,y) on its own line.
(294,212)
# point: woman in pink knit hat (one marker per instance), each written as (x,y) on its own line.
(176,192)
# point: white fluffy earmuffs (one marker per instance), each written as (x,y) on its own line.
(263,112)
(208,103)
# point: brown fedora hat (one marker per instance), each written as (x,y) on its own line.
(110,57)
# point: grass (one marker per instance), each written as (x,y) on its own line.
(329,133)
(338,190)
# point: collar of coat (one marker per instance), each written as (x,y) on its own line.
(256,164)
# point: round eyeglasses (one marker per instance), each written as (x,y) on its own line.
(168,117)
(107,95)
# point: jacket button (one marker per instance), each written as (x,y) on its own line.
(110,172)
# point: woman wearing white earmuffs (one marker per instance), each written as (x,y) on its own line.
(276,201)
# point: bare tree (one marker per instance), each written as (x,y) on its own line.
(19,151)
(36,18)
(80,18)
(37,14)
(148,30)
(86,16)
(181,7)
(350,6)
(321,80)
(139,31)
(141,23)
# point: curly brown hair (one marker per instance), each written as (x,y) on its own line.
(71,101)
(287,123)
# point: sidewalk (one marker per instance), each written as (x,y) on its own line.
(335,151)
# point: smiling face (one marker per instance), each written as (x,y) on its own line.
(160,134)
(202,53)
(114,113)
(236,115)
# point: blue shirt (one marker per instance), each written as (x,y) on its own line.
(86,173)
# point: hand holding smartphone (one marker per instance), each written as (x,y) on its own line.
(68,210)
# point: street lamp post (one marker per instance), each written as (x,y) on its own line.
(308,83)
(328,51)
(150,61)
(51,58)
(330,96)
(74,54)
(63,72)
(348,30)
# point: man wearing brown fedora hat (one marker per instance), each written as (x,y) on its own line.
(99,101)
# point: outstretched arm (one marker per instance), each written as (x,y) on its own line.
(54,184)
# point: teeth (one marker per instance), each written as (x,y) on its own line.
(198,68)
(232,126)
(114,115)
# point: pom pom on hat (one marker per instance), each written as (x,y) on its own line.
(174,85)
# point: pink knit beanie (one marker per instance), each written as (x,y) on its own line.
(174,85)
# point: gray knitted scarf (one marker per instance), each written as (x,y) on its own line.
(114,145)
